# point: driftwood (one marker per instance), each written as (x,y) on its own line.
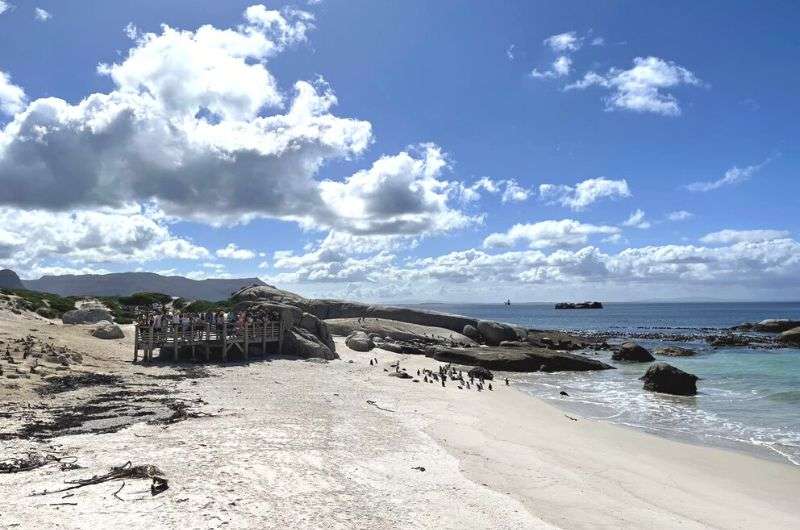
(369,401)
(125,471)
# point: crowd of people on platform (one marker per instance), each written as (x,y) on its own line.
(171,320)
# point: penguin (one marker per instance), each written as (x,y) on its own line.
(563,394)
(506,381)
(443,382)
(370,362)
(418,372)
(490,386)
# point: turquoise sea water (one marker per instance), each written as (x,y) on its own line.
(749,398)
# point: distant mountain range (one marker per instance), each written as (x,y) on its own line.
(127,283)
(10,280)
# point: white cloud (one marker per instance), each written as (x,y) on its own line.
(735,175)
(564,42)
(41,15)
(12,97)
(679,215)
(598,41)
(186,126)
(642,87)
(561,67)
(400,194)
(510,52)
(509,189)
(585,193)
(35,239)
(637,220)
(544,234)
(727,237)
(4,6)
(231,251)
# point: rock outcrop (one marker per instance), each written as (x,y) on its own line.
(394,330)
(359,341)
(791,336)
(107,330)
(90,315)
(579,305)
(518,360)
(630,351)
(665,378)
(10,280)
(494,332)
(771,325)
(479,372)
(304,334)
(675,351)
(472,332)
(304,344)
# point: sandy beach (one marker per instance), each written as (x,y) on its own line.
(312,444)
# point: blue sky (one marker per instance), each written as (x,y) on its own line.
(454,151)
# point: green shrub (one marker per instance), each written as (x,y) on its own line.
(144,299)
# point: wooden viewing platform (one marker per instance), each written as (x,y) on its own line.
(204,336)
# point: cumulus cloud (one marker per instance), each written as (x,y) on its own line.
(564,42)
(559,68)
(232,251)
(510,52)
(187,126)
(544,234)
(735,175)
(12,97)
(41,15)
(637,220)
(400,194)
(641,88)
(29,238)
(585,193)
(4,6)
(727,237)
(509,190)
(679,215)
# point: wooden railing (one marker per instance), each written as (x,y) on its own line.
(205,336)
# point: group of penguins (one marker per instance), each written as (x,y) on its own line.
(445,372)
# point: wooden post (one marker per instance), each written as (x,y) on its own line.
(194,342)
(280,337)
(246,341)
(208,339)
(224,340)
(175,343)
(135,342)
(263,338)
(150,346)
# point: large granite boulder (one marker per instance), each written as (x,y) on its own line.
(518,359)
(479,372)
(665,378)
(91,315)
(107,330)
(359,341)
(267,293)
(791,336)
(298,326)
(770,325)
(395,330)
(630,351)
(675,351)
(302,343)
(328,309)
(494,332)
(319,328)
(472,332)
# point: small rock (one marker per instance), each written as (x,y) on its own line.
(665,378)
(630,351)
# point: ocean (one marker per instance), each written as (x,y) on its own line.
(749,398)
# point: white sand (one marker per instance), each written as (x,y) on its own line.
(295,445)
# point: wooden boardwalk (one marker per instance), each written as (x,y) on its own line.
(204,338)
